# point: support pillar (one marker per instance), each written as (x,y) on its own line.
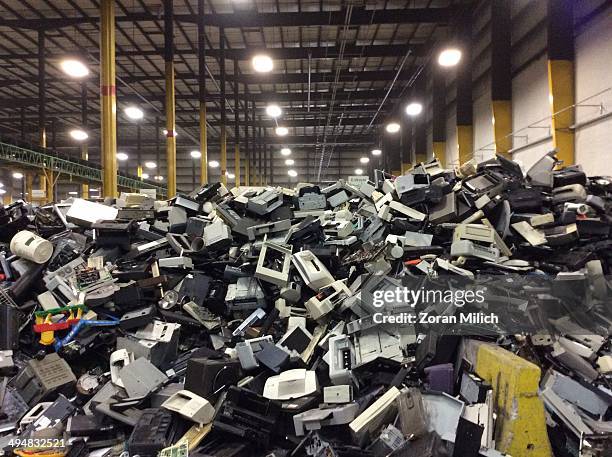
(170,109)
(236,126)
(84,145)
(42,112)
(501,77)
(420,123)
(202,94)
(108,102)
(439,115)
(561,77)
(223,138)
(464,113)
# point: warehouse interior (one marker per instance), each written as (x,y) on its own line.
(340,74)
(281,228)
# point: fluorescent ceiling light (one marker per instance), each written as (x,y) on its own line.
(449,57)
(414,109)
(133,112)
(74,192)
(274,110)
(79,135)
(74,68)
(282,131)
(262,63)
(392,127)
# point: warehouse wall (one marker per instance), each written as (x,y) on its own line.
(530,97)
(593,75)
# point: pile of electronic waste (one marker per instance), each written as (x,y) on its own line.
(266,321)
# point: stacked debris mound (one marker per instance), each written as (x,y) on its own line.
(439,313)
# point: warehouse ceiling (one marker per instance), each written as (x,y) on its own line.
(334,64)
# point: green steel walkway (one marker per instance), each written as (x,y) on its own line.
(74,168)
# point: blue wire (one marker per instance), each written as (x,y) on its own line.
(82,323)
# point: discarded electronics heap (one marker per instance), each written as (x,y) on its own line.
(237,323)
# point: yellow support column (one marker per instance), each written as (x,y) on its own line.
(502,126)
(85,186)
(561,77)
(520,429)
(561,95)
(202,94)
(501,77)
(439,150)
(108,102)
(203,145)
(170,108)
(247,171)
(237,164)
(465,143)
(29,177)
(171,130)
(223,135)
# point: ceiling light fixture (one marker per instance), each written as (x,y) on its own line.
(133,112)
(195,154)
(376,152)
(292,173)
(414,109)
(73,192)
(282,131)
(74,68)
(273,110)
(122,156)
(449,57)
(358,171)
(213,164)
(230,175)
(145,176)
(150,165)
(79,135)
(392,127)
(262,63)
(286,152)
(18,175)
(364,160)
(289,162)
